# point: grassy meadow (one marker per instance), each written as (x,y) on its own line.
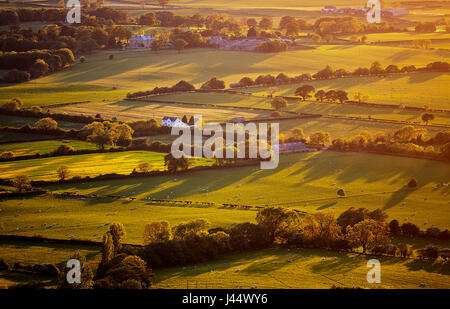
(87,164)
(43,147)
(146,69)
(135,110)
(307,182)
(53,217)
(415,89)
(317,269)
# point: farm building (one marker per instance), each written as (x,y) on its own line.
(141,41)
(173,122)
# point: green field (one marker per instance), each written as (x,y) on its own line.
(147,69)
(135,110)
(416,89)
(311,107)
(43,147)
(15,121)
(308,182)
(341,128)
(87,164)
(88,219)
(308,269)
(34,93)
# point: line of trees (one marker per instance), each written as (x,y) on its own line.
(32,64)
(406,140)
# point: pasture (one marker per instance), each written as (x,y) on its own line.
(136,110)
(43,147)
(341,128)
(53,217)
(310,106)
(16,121)
(307,182)
(143,70)
(317,269)
(415,89)
(87,164)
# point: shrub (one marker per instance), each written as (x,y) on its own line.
(111,57)
(341,192)
(16,76)
(412,183)
(13,105)
(82,59)
(410,229)
(6,155)
(272,46)
(213,83)
(64,149)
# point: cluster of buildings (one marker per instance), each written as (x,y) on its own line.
(332,10)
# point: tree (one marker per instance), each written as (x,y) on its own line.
(320,95)
(213,83)
(144,167)
(107,248)
(86,275)
(279,222)
(117,234)
(360,97)
(376,68)
(156,232)
(266,23)
(278,103)
(13,105)
(272,90)
(394,228)
(22,183)
(179,44)
(326,73)
(186,230)
(304,91)
(331,96)
(292,29)
(319,138)
(16,76)
(426,117)
(252,33)
(342,96)
(62,172)
(173,164)
(46,124)
(39,68)
(320,229)
(251,22)
(298,134)
(368,234)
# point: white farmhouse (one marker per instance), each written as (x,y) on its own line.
(141,41)
(173,122)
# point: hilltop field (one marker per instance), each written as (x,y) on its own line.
(307,182)
(100,79)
